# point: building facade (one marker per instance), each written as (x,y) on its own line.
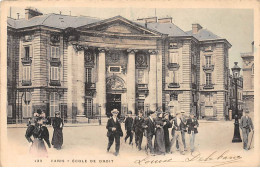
(248,74)
(85,67)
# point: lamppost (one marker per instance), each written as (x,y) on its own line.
(236,138)
(99,114)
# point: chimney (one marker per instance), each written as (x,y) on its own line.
(196,28)
(165,20)
(30,13)
(148,20)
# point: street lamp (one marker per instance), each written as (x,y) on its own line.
(99,114)
(236,138)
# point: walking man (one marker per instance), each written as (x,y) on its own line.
(114,131)
(138,129)
(128,127)
(246,125)
(149,126)
(177,126)
(192,124)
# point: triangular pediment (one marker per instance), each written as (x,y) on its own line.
(118,25)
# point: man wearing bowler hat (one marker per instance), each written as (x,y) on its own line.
(114,131)
(246,126)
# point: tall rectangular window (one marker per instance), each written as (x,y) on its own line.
(54,103)
(208,61)
(89,107)
(27,73)
(208,79)
(141,76)
(173,57)
(55,52)
(27,51)
(88,75)
(55,73)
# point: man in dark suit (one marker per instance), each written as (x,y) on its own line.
(246,125)
(138,129)
(128,127)
(114,131)
(149,127)
(193,125)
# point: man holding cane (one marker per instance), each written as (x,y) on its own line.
(246,126)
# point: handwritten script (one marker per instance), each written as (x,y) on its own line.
(215,158)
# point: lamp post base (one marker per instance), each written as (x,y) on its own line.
(236,137)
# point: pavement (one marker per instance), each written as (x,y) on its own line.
(85,145)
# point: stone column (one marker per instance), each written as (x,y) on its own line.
(131,81)
(80,83)
(152,80)
(101,85)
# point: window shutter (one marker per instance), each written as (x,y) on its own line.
(52,52)
(31,51)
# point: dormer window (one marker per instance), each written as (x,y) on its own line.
(173,45)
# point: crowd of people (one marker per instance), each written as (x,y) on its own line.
(156,129)
(38,129)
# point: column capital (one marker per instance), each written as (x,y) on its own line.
(79,47)
(132,51)
(152,52)
(103,49)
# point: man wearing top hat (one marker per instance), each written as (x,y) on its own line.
(246,126)
(114,131)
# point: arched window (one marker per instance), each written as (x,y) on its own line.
(54,103)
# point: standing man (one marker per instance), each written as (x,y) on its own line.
(149,127)
(138,129)
(246,125)
(177,126)
(183,129)
(114,131)
(128,127)
(192,124)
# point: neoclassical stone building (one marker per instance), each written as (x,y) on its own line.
(248,74)
(84,67)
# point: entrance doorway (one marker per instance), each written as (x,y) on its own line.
(113,102)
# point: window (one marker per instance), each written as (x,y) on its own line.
(208,79)
(26,105)
(141,77)
(114,69)
(55,52)
(88,75)
(174,77)
(27,73)
(27,52)
(208,61)
(174,97)
(173,57)
(54,103)
(55,74)
(173,45)
(89,107)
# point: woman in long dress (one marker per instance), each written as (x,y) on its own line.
(159,143)
(166,132)
(40,134)
(57,139)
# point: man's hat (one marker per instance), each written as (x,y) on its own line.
(114,111)
(130,112)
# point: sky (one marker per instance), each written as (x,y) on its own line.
(235,25)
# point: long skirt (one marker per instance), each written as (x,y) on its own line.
(57,139)
(38,148)
(159,143)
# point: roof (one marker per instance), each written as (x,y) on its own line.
(52,20)
(165,28)
(204,34)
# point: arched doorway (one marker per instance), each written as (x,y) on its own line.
(115,86)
